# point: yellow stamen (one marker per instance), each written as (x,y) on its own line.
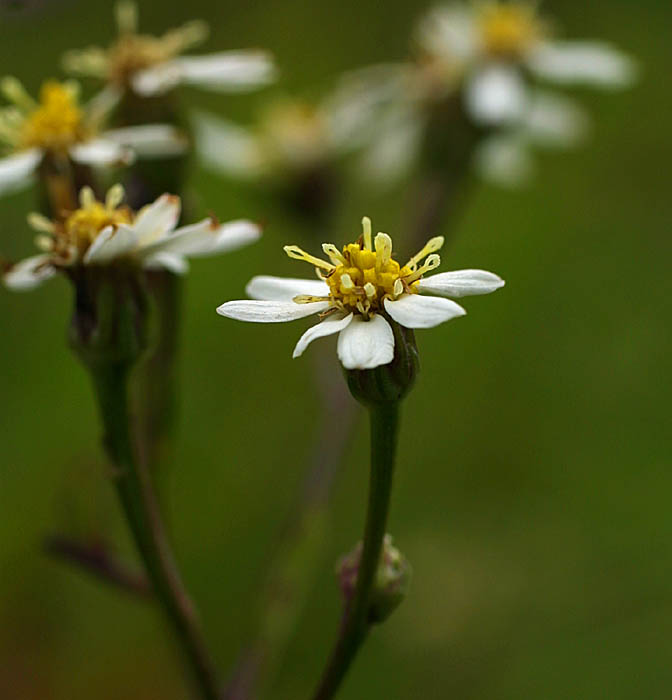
(127,17)
(431,246)
(308,299)
(346,282)
(509,28)
(296,253)
(40,223)
(366,227)
(14,91)
(383,250)
(115,196)
(370,290)
(432,262)
(334,254)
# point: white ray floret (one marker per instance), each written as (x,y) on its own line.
(361,293)
(105,233)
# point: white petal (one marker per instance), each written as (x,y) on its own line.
(150,140)
(270,311)
(166,261)
(330,325)
(206,238)
(449,32)
(228,71)
(496,95)
(110,244)
(17,171)
(415,311)
(366,344)
(554,121)
(589,62)
(226,147)
(157,219)
(461,283)
(101,152)
(29,273)
(158,79)
(504,160)
(284,288)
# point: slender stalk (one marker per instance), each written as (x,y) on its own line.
(139,504)
(384,423)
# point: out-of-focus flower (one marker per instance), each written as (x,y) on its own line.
(151,65)
(108,233)
(59,127)
(291,136)
(361,290)
(489,56)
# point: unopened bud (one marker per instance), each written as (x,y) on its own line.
(391,584)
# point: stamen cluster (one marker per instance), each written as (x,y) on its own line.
(508,29)
(364,274)
(69,239)
(55,122)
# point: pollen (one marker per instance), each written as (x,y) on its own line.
(363,274)
(57,121)
(509,29)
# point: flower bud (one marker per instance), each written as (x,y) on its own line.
(109,324)
(391,382)
(391,584)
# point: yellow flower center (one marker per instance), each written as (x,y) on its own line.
(509,29)
(364,274)
(57,122)
(70,238)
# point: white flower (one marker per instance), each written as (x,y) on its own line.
(57,127)
(152,65)
(291,135)
(486,55)
(104,233)
(360,291)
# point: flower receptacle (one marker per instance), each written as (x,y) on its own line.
(390,382)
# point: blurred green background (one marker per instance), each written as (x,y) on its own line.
(534,480)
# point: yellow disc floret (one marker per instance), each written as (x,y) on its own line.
(71,237)
(363,274)
(508,29)
(57,121)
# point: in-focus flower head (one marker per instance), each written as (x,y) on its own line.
(151,65)
(360,290)
(59,126)
(101,233)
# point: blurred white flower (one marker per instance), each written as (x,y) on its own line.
(291,135)
(59,127)
(152,65)
(358,293)
(488,56)
(105,233)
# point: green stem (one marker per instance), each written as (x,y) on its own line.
(384,424)
(139,504)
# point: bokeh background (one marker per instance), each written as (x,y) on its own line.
(535,479)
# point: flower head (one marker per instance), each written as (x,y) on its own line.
(104,233)
(59,126)
(152,65)
(360,290)
(291,135)
(481,61)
